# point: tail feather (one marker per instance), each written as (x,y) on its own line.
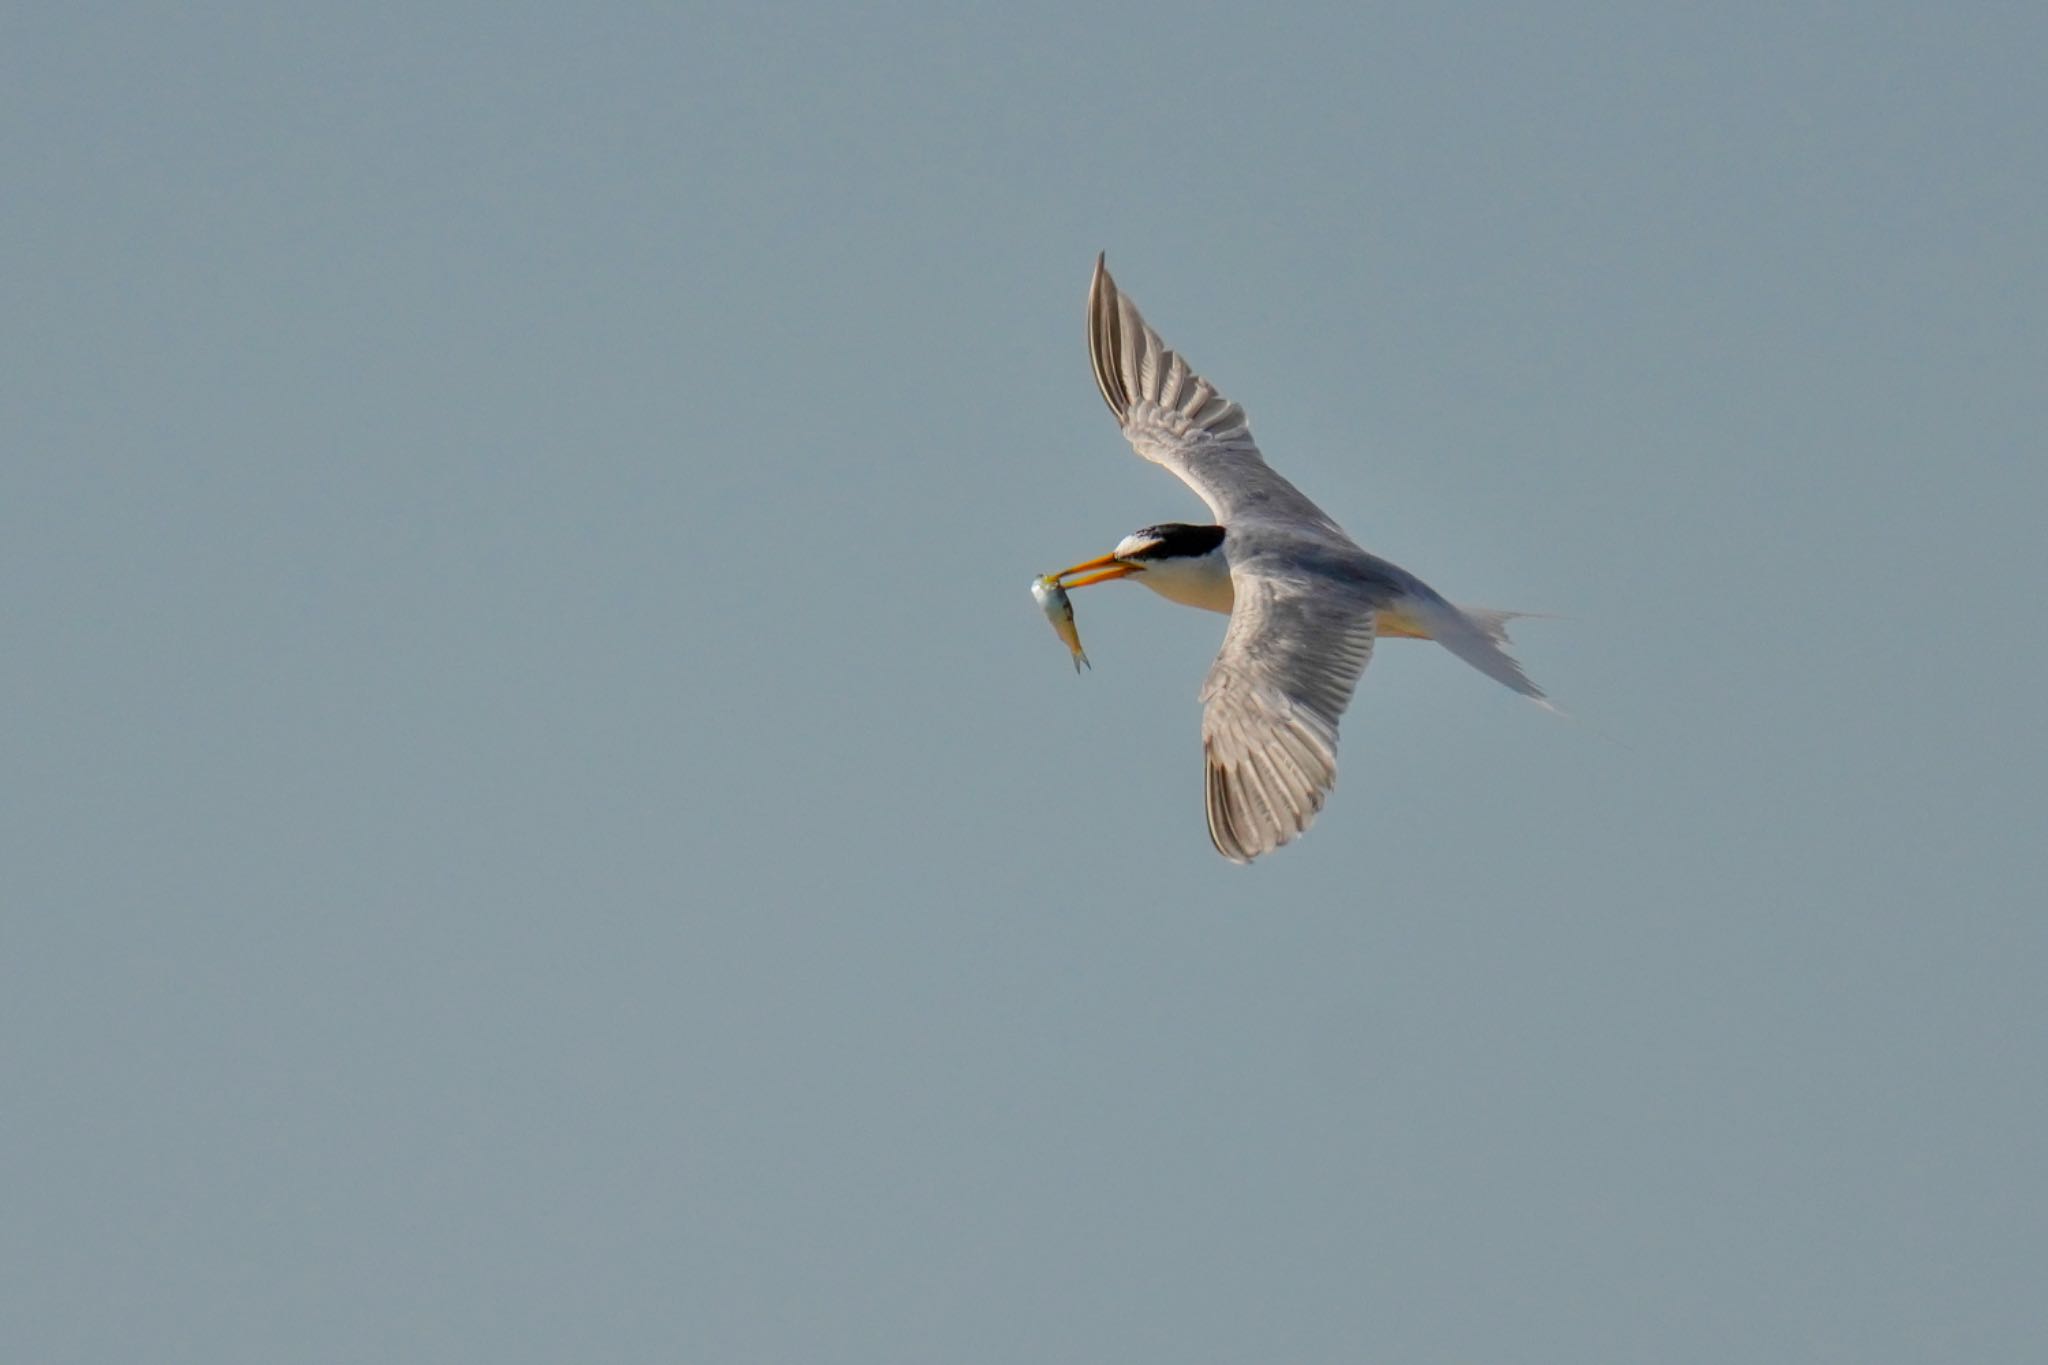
(1492,622)
(1478,636)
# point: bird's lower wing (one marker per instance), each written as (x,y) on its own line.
(1288,666)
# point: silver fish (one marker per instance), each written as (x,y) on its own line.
(1052,600)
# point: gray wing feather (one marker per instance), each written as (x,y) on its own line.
(1289,663)
(1174,417)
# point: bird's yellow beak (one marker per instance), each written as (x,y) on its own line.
(1098,570)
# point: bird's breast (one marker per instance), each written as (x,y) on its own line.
(1202,581)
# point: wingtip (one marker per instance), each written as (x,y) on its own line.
(1099,279)
(1102,338)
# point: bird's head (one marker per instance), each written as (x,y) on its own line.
(1171,545)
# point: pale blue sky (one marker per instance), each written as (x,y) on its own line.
(541,823)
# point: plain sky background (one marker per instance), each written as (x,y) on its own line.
(541,822)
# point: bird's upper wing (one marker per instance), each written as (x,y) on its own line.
(1293,654)
(1174,417)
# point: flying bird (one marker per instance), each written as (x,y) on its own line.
(1305,601)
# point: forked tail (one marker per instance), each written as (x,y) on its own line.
(1493,623)
(1478,635)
